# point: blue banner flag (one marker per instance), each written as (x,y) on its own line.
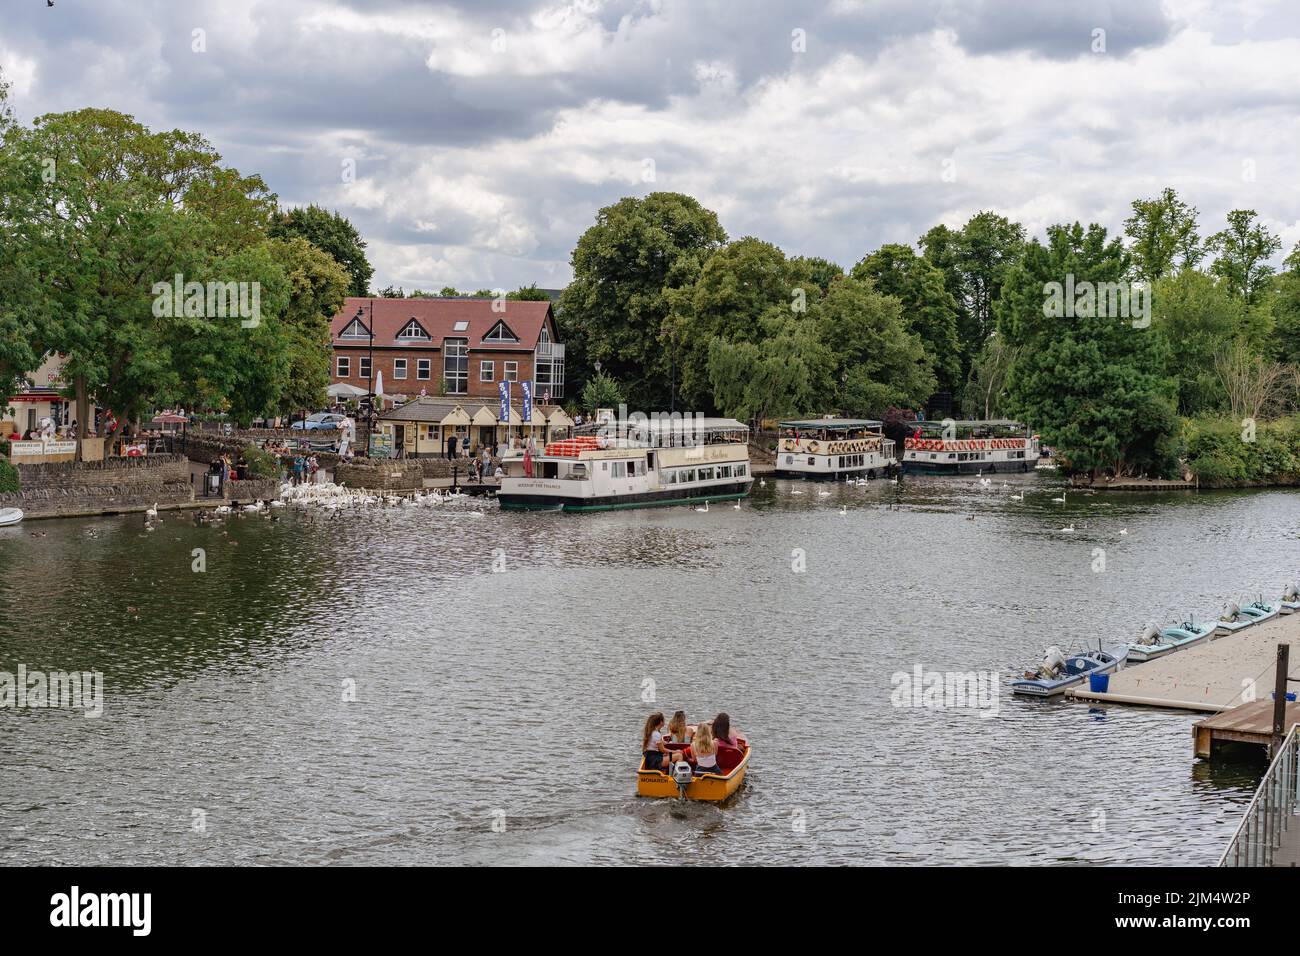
(526,413)
(503,388)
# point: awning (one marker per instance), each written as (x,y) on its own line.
(344,390)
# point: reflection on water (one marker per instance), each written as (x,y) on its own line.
(517,696)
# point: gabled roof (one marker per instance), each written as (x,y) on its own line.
(446,318)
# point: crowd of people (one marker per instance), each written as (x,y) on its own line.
(703,741)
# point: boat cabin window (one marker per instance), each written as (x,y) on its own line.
(550,469)
(724,471)
(741,470)
(619,469)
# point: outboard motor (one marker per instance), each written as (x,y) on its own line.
(1231,610)
(682,776)
(1292,593)
(1151,635)
(1053,661)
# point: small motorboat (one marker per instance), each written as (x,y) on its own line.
(1236,618)
(10,516)
(1058,672)
(1290,602)
(681,781)
(1159,641)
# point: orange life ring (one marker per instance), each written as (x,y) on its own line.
(813,447)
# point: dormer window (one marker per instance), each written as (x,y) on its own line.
(500,333)
(413,330)
(356,329)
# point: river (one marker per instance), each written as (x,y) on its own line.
(497,714)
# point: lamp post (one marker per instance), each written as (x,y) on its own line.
(370,378)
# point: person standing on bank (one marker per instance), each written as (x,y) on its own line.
(451,446)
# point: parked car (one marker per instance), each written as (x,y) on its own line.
(321,421)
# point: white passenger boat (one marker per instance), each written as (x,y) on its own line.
(649,463)
(969,447)
(834,448)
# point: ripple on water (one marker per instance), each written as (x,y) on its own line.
(481,693)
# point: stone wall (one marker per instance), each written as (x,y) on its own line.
(204,448)
(119,473)
(383,475)
(105,499)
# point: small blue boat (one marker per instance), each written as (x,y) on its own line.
(1058,672)
(1159,641)
(1236,618)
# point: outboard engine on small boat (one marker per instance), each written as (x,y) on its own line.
(682,776)
(1053,662)
(1231,610)
(1292,593)
(1151,635)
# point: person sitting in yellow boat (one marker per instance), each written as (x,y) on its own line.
(679,731)
(705,749)
(652,743)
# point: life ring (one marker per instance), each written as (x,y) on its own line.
(813,447)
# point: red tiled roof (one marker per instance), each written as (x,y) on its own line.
(439,318)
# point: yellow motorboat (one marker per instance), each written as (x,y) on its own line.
(733,761)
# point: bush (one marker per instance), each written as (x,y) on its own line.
(1220,451)
(261,463)
(8,476)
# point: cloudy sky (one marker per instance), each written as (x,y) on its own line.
(485,135)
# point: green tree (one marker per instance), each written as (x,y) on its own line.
(317,288)
(528,293)
(448,292)
(985,394)
(1193,320)
(1242,252)
(1285,308)
(333,233)
(975,261)
(737,285)
(601,391)
(1089,383)
(787,372)
(1164,237)
(615,308)
(928,307)
(878,363)
(123,210)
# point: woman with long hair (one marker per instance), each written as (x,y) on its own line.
(706,750)
(722,731)
(678,731)
(652,742)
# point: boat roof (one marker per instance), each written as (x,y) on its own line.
(680,423)
(1004,422)
(832,423)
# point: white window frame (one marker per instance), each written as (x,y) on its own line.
(419,335)
(510,371)
(487,370)
(343,366)
(347,332)
(423,370)
(364,367)
(399,368)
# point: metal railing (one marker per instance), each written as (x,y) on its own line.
(1271,810)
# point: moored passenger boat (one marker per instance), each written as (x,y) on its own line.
(834,448)
(645,464)
(969,447)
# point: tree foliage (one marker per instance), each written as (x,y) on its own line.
(333,233)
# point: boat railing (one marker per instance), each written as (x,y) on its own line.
(1271,811)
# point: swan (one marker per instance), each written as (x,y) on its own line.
(762,482)
(844,509)
(1060,500)
(1123,530)
(823,494)
(1019,497)
(152,512)
(736,506)
(1069,529)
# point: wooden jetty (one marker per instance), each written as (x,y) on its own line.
(1248,723)
(1211,676)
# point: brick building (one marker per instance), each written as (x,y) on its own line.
(453,347)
